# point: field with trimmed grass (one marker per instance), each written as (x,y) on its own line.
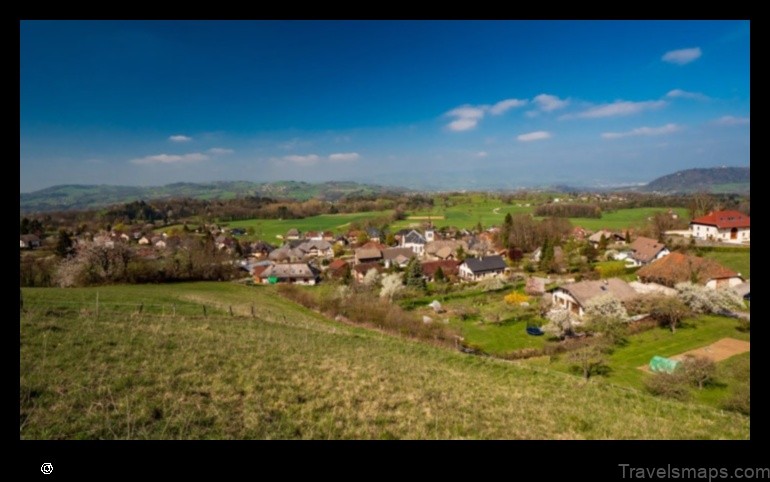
(139,371)
(624,218)
(268,229)
(738,259)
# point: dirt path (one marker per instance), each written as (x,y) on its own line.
(717,351)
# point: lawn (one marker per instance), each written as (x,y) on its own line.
(289,373)
(624,218)
(738,259)
(269,229)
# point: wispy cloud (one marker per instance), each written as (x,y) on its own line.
(171,159)
(550,103)
(466,117)
(307,160)
(730,120)
(344,157)
(682,56)
(179,138)
(534,136)
(220,151)
(506,105)
(683,94)
(481,154)
(615,109)
(643,131)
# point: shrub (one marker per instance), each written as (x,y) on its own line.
(669,312)
(740,401)
(516,298)
(698,371)
(611,269)
(705,300)
(605,306)
(669,385)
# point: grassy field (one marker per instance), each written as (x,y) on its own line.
(694,333)
(289,373)
(623,218)
(268,229)
(738,259)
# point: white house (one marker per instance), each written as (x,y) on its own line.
(415,241)
(574,296)
(475,269)
(725,226)
(643,251)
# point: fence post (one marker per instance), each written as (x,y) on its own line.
(253,315)
(97,305)
(173,308)
(231,310)
(204,311)
(141,307)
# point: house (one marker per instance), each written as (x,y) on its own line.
(327,236)
(574,296)
(367,255)
(373,245)
(316,249)
(678,268)
(374,234)
(294,273)
(286,253)
(612,238)
(444,249)
(360,270)
(474,269)
(450,268)
(29,241)
(256,273)
(643,251)
(261,249)
(725,226)
(293,233)
(337,268)
(314,236)
(397,256)
(413,240)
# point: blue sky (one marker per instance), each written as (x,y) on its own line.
(418,103)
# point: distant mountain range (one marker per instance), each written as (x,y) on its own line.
(76,196)
(714,179)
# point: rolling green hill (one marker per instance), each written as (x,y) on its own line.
(715,179)
(78,196)
(150,365)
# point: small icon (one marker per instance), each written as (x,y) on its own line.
(46,468)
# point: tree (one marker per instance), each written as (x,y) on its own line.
(603,242)
(590,252)
(546,255)
(362,238)
(439,276)
(414,275)
(390,239)
(338,250)
(605,306)
(669,311)
(701,299)
(698,370)
(460,254)
(64,243)
(588,360)
(559,324)
(371,278)
(391,286)
(347,275)
(628,236)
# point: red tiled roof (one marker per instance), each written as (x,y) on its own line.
(449,267)
(677,268)
(337,264)
(724,220)
(257,271)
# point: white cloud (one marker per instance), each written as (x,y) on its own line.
(730,120)
(171,158)
(505,105)
(534,136)
(482,154)
(683,94)
(307,160)
(549,103)
(467,117)
(682,56)
(179,138)
(617,108)
(344,157)
(220,151)
(643,131)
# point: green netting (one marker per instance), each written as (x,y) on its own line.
(660,364)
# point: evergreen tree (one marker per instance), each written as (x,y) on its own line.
(439,276)
(414,276)
(64,243)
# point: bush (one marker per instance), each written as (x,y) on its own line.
(740,401)
(611,269)
(669,385)
(705,300)
(669,311)
(516,298)
(698,371)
